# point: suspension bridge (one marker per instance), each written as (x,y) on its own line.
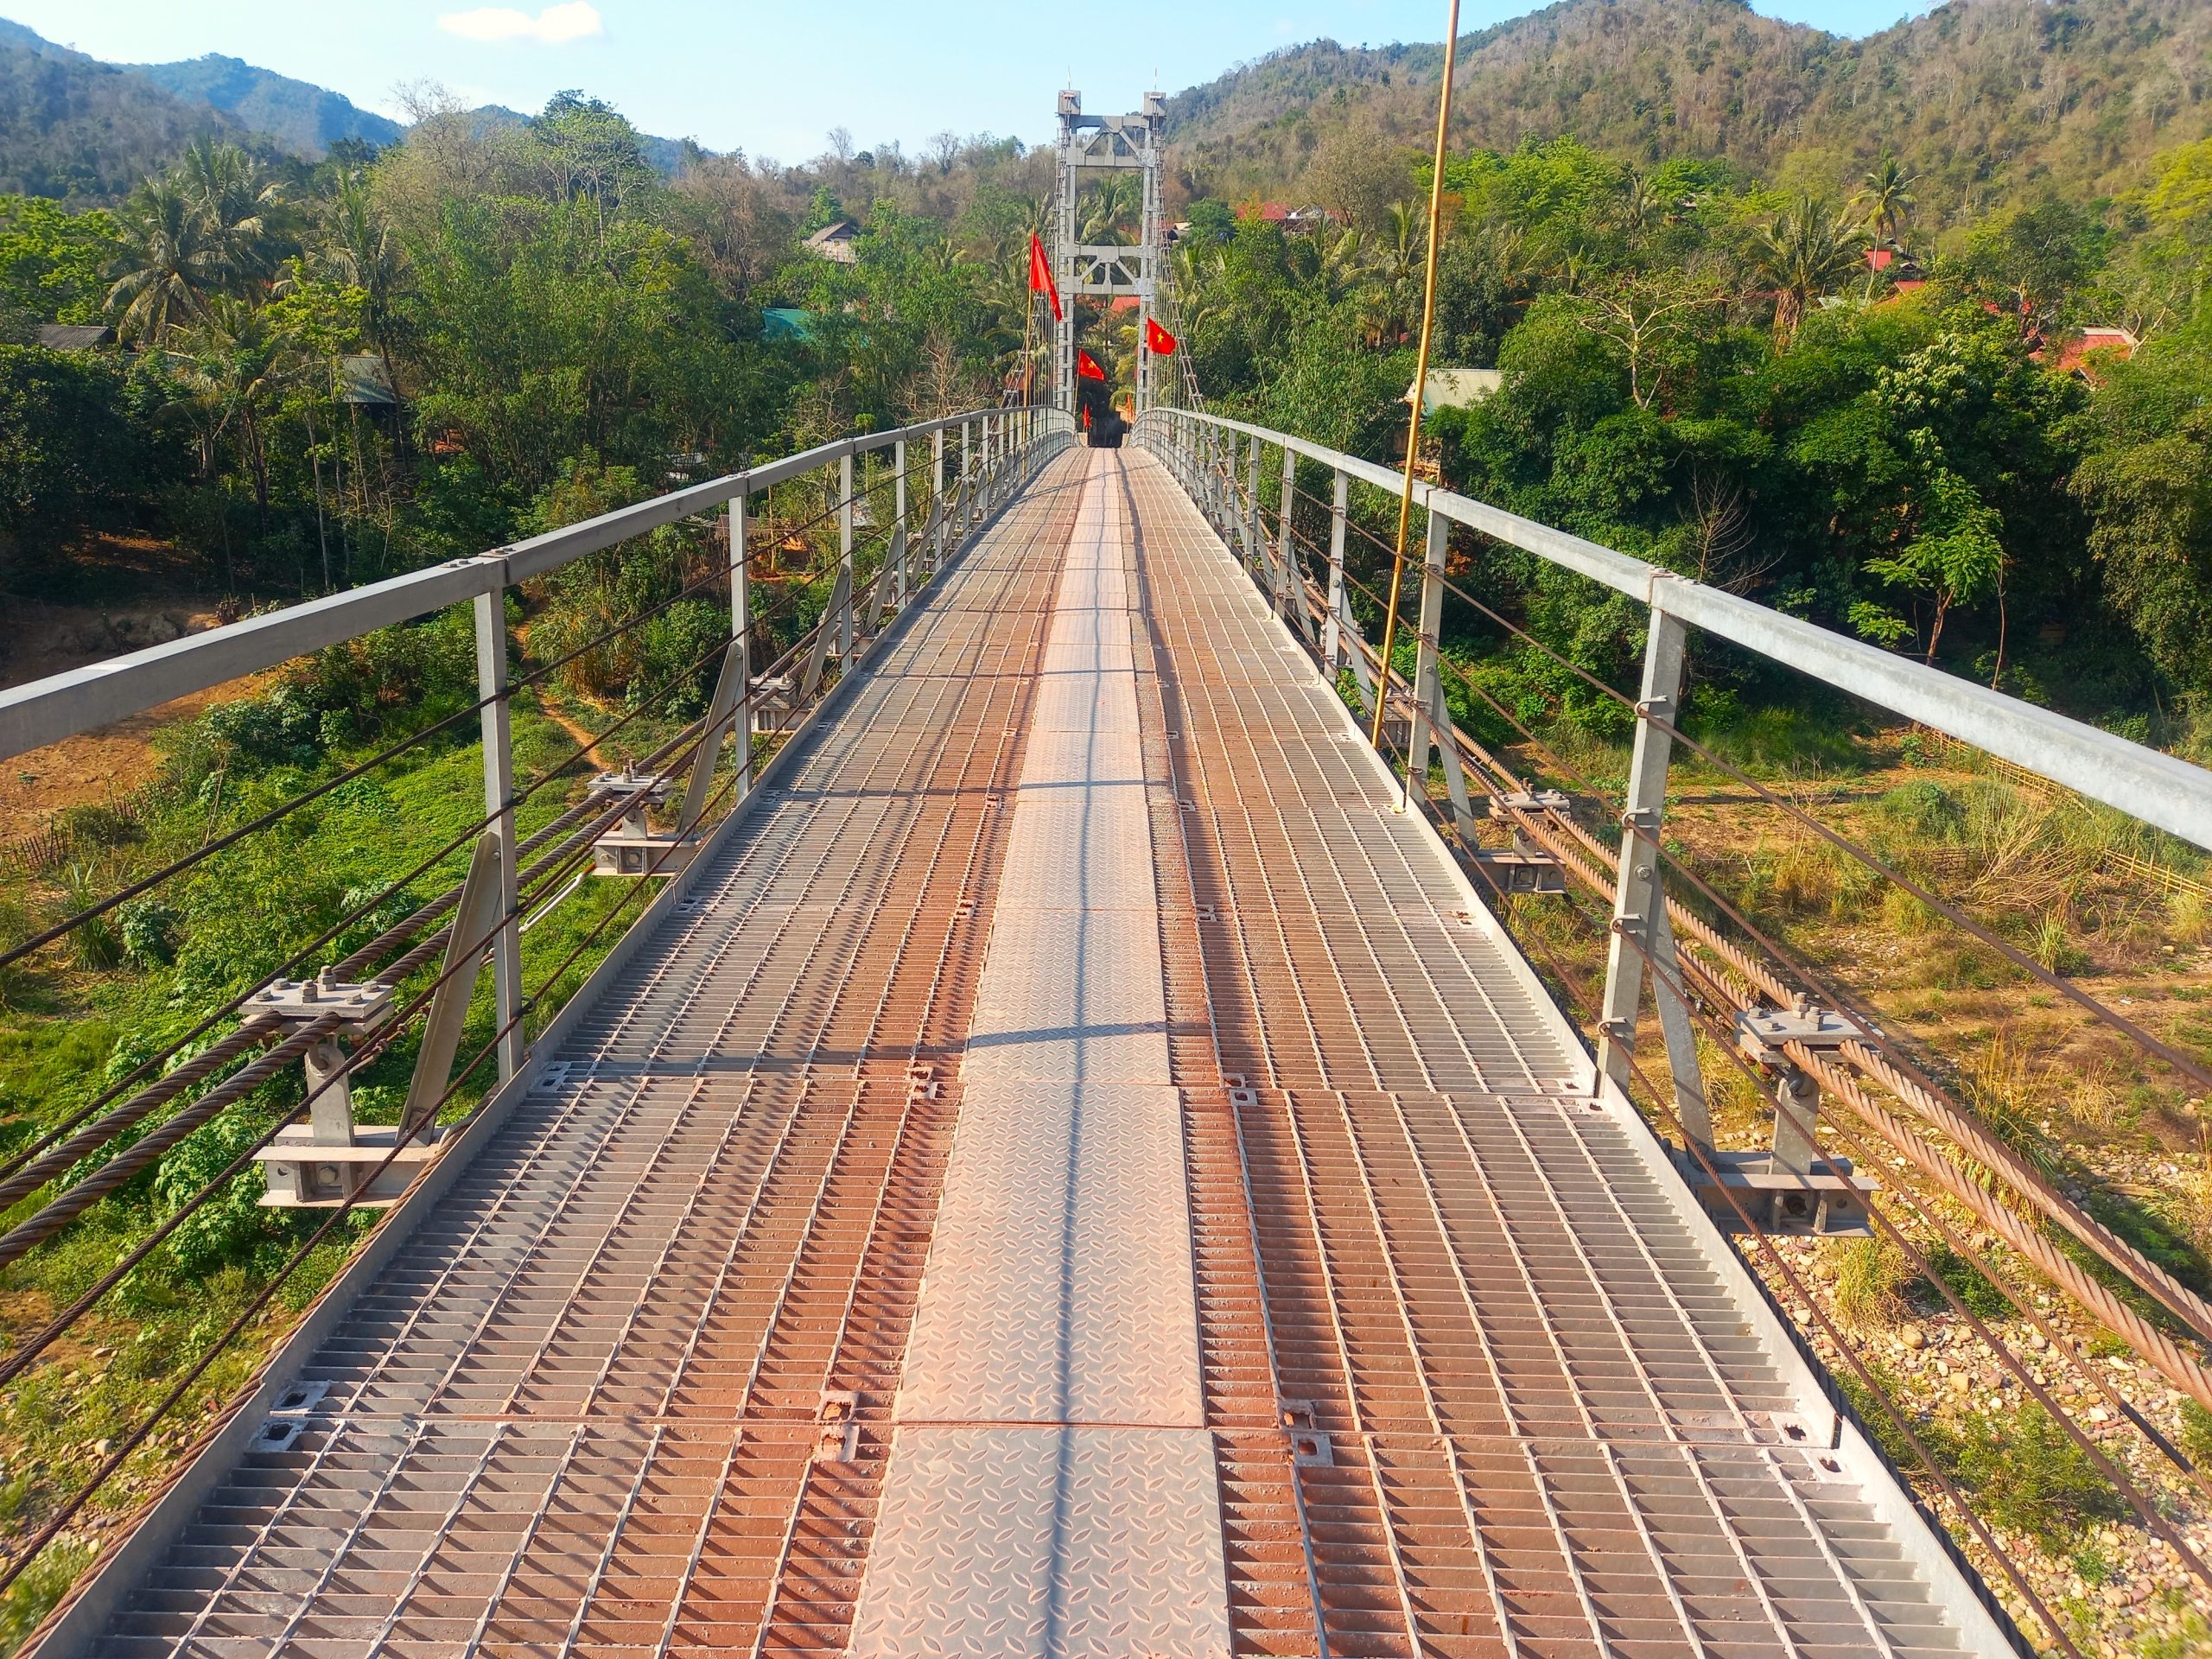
(1061,1155)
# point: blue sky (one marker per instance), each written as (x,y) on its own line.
(774,77)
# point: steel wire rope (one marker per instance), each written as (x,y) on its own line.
(1781,1265)
(470,961)
(2152,1520)
(1881,1058)
(2136,1500)
(230,838)
(2035,1190)
(16,1180)
(1694,1002)
(173,1083)
(137,1436)
(1948,1115)
(354,1063)
(2145,1040)
(15,1364)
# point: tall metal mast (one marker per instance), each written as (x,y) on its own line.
(1110,271)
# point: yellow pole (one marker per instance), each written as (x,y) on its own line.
(1420,375)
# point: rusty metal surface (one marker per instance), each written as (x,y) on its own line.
(1524,1415)
(1051,1492)
(580,1412)
(1081,1179)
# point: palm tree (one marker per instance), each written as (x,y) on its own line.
(236,198)
(1886,195)
(234,362)
(1805,253)
(1331,262)
(360,248)
(172,267)
(1110,210)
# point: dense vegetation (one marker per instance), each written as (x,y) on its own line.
(1707,371)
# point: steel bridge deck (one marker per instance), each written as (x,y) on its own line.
(1080,1176)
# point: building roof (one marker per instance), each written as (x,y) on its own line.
(786,323)
(1456,387)
(835,241)
(73,336)
(362,379)
(2072,354)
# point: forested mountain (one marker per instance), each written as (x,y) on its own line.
(76,128)
(304,118)
(1982,99)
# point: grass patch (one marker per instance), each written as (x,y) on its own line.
(2029,1478)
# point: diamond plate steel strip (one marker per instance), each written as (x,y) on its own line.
(1145,604)
(781,1572)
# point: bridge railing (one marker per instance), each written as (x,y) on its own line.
(1847,1095)
(390,983)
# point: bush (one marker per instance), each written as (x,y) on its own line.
(1965,1280)
(282,730)
(1928,811)
(2031,1479)
(149,928)
(675,665)
(423,670)
(72,454)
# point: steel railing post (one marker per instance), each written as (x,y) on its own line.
(1255,540)
(899,519)
(1287,582)
(1425,679)
(937,509)
(741,634)
(1640,923)
(1332,639)
(967,476)
(499,807)
(845,553)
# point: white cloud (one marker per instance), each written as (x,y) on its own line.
(572,20)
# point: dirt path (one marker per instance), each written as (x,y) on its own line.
(111,760)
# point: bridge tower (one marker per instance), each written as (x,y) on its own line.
(1109,271)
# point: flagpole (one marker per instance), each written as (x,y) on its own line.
(1029,333)
(1419,393)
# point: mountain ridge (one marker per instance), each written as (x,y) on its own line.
(83,130)
(1988,99)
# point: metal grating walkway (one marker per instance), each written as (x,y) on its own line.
(1080,1176)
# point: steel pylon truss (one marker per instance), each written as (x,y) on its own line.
(1107,270)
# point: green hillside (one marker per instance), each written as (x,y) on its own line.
(1983,99)
(77,130)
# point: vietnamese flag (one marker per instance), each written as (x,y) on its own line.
(1040,275)
(1086,367)
(1157,339)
